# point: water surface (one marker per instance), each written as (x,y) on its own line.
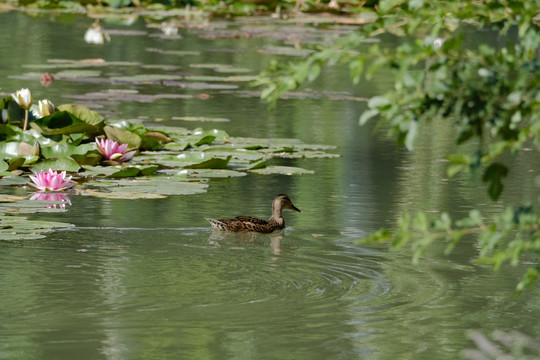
(148,279)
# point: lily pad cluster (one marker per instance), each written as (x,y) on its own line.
(162,160)
(15,226)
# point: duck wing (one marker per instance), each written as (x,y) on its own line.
(242,223)
(250,219)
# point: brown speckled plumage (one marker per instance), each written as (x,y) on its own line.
(249,223)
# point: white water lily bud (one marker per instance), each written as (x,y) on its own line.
(23,97)
(4,115)
(96,35)
(46,107)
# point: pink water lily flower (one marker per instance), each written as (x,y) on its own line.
(50,181)
(111,150)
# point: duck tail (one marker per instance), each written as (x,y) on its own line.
(216,224)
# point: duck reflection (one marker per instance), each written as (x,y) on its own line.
(237,240)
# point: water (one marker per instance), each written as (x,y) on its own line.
(148,279)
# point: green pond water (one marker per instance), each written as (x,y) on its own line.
(148,279)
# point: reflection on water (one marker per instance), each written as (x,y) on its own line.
(150,279)
(56,199)
(132,288)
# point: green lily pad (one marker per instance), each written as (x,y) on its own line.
(7,235)
(222,68)
(283,170)
(254,165)
(238,154)
(201,160)
(146,78)
(174,52)
(4,166)
(120,171)
(64,163)
(65,150)
(126,195)
(123,136)
(306,154)
(16,163)
(210,173)
(25,206)
(63,122)
(233,70)
(79,73)
(13,180)
(162,186)
(200,118)
(9,150)
(4,198)
(85,114)
(91,159)
(21,228)
(150,187)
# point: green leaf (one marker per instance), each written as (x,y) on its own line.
(84,114)
(121,171)
(60,164)
(66,150)
(61,123)
(212,163)
(379,102)
(415,4)
(123,136)
(125,171)
(282,170)
(367,115)
(494,175)
(18,162)
(411,134)
(381,235)
(87,159)
(9,150)
(4,166)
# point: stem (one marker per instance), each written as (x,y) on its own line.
(25,119)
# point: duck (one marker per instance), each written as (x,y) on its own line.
(249,223)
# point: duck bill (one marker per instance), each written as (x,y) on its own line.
(295,208)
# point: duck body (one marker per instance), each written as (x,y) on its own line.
(249,223)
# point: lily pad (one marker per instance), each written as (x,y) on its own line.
(21,228)
(200,160)
(151,187)
(63,122)
(210,173)
(123,136)
(146,78)
(13,180)
(64,163)
(77,74)
(17,162)
(121,171)
(85,114)
(125,195)
(283,170)
(9,150)
(65,150)
(199,118)
(174,52)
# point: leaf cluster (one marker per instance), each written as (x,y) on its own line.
(487,89)
(63,140)
(505,239)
